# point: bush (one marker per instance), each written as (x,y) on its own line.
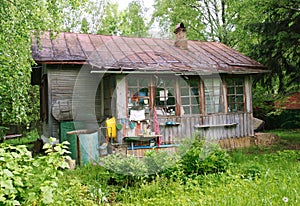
(38,181)
(205,157)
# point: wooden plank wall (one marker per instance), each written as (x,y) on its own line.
(85,103)
(187,129)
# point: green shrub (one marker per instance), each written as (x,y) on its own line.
(205,157)
(38,181)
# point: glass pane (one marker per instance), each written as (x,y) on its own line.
(230,100)
(217,91)
(143,92)
(208,91)
(143,82)
(230,90)
(216,82)
(185,92)
(132,81)
(160,91)
(239,90)
(239,81)
(158,102)
(171,92)
(230,82)
(209,108)
(185,101)
(221,108)
(170,82)
(208,82)
(239,98)
(186,110)
(240,107)
(232,108)
(194,91)
(171,101)
(195,100)
(183,82)
(195,110)
(194,82)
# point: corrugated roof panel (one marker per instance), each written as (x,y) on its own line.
(60,49)
(85,43)
(97,42)
(45,51)
(74,47)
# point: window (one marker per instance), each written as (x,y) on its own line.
(213,95)
(190,96)
(235,94)
(138,92)
(165,101)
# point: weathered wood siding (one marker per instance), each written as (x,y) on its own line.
(73,94)
(187,129)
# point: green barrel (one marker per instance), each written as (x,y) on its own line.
(71,138)
(88,150)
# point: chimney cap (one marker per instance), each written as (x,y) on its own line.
(179,27)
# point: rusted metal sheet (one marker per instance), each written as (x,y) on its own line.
(142,53)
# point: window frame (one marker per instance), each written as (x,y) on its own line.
(212,95)
(137,98)
(190,96)
(235,95)
(163,82)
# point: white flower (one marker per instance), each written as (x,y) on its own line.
(285,199)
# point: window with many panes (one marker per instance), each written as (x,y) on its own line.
(235,94)
(190,95)
(138,92)
(165,95)
(214,102)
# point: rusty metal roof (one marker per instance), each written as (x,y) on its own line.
(116,53)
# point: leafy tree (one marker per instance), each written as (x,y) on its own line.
(130,22)
(110,21)
(273,38)
(133,22)
(205,20)
(84,25)
(86,18)
(20,20)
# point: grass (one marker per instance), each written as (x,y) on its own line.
(267,175)
(258,176)
(268,179)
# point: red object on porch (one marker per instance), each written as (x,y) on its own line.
(156,126)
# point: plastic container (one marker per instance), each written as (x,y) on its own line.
(71,138)
(111,130)
(88,148)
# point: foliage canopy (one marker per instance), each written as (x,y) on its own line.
(20,20)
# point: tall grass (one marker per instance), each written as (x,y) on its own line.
(270,179)
(255,176)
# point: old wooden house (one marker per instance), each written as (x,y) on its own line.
(180,86)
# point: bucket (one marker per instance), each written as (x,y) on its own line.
(103,149)
(111,130)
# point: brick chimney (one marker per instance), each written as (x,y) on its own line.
(180,36)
